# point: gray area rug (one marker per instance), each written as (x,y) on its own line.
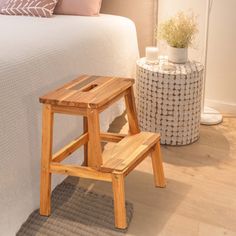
(75,211)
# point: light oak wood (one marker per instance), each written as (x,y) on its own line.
(69,110)
(94,143)
(112,137)
(47,139)
(110,102)
(131,112)
(70,148)
(88,92)
(130,168)
(88,96)
(118,187)
(128,151)
(158,167)
(80,171)
(85,128)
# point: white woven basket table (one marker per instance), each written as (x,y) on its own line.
(169,100)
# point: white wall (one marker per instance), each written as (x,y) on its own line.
(141,12)
(221,76)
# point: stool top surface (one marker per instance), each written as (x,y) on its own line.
(88,91)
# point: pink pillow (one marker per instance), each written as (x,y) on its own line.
(78,7)
(2,3)
(41,8)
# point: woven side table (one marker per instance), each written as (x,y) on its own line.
(169,100)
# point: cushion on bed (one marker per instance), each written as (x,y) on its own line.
(78,7)
(40,8)
(2,3)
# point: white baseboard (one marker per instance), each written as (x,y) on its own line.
(222,107)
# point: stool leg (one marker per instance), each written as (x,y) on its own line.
(85,124)
(47,137)
(94,143)
(157,165)
(119,200)
(131,112)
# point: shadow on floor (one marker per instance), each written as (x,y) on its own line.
(153,207)
(212,149)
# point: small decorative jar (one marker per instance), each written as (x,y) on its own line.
(177,55)
(152,55)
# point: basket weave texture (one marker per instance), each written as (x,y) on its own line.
(169,100)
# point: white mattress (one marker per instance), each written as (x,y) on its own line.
(37,55)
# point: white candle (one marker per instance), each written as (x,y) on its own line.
(152,54)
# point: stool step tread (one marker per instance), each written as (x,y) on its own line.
(88,91)
(128,151)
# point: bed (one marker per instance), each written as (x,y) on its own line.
(37,55)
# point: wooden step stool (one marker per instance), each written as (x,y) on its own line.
(88,96)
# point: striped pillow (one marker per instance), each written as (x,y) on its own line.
(40,8)
(2,3)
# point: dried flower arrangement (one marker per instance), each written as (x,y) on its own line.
(178,31)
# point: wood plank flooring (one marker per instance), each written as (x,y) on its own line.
(200,198)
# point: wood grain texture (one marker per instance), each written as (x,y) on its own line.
(69,110)
(118,187)
(80,171)
(112,137)
(157,165)
(92,94)
(112,101)
(88,92)
(128,151)
(131,112)
(85,129)
(47,140)
(94,143)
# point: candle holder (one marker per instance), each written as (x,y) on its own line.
(152,55)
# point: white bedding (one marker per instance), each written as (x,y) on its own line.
(37,55)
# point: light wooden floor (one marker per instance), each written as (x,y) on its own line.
(200,198)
